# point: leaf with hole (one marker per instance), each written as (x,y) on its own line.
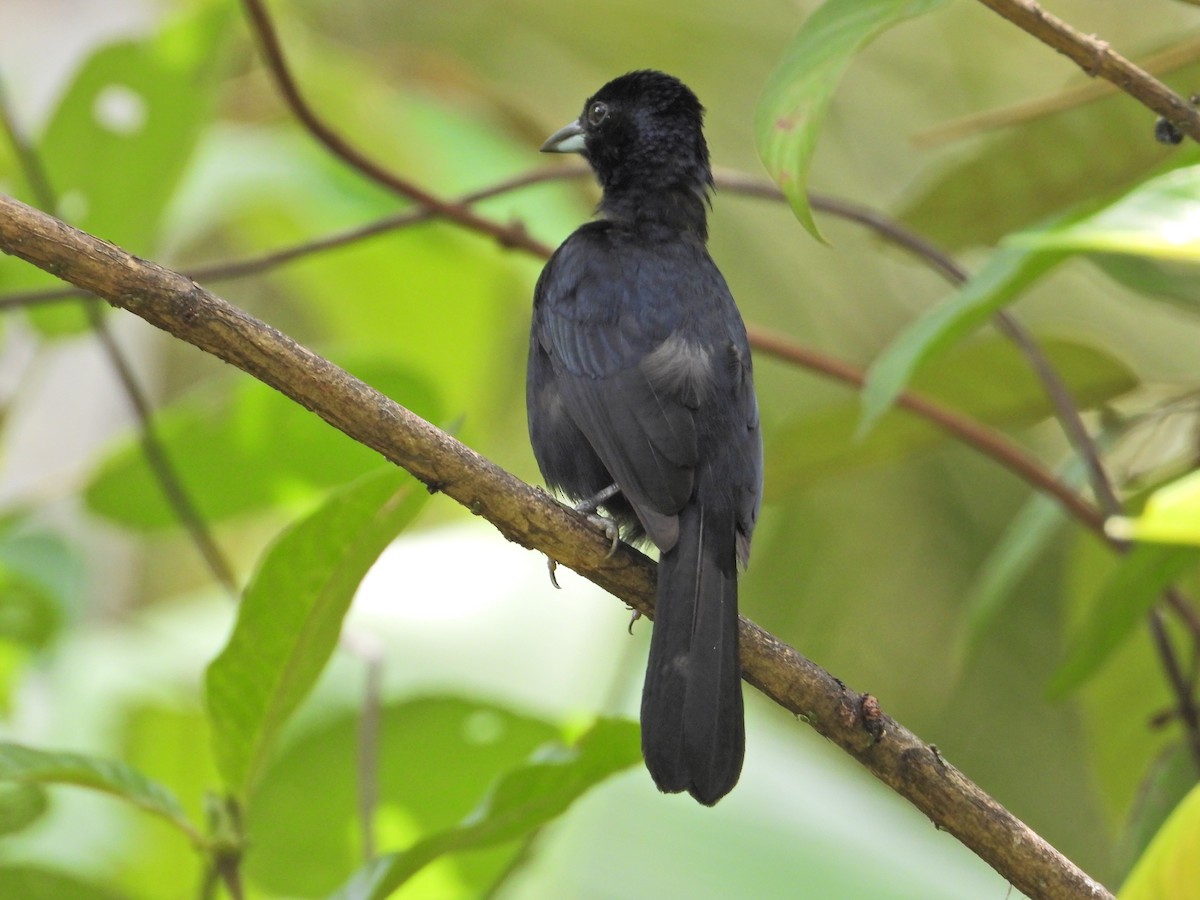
(138,107)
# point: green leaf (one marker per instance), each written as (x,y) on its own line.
(1171,515)
(986,380)
(1169,779)
(1133,588)
(36,883)
(1171,865)
(21,804)
(30,766)
(1178,283)
(138,107)
(795,100)
(168,741)
(524,800)
(1008,272)
(41,580)
(291,615)
(1023,541)
(436,757)
(1159,219)
(244,451)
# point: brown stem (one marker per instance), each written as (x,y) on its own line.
(970,432)
(1175,56)
(264,30)
(1098,59)
(157,457)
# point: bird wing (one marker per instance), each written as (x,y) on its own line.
(630,382)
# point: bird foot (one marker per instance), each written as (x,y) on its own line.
(606,526)
(634,616)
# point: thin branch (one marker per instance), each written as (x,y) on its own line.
(1098,59)
(1064,406)
(985,440)
(274,259)
(367,650)
(156,454)
(27,158)
(1163,62)
(529,517)
(157,457)
(1181,685)
(264,30)
(1080,439)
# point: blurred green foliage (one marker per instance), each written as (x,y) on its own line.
(900,559)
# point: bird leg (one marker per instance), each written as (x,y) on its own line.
(607,526)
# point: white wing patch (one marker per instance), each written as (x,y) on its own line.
(680,369)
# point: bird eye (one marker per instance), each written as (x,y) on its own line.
(597,113)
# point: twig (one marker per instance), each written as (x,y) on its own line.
(1161,63)
(157,457)
(986,441)
(1080,439)
(156,454)
(27,158)
(506,235)
(1066,410)
(367,650)
(892,753)
(265,262)
(1097,58)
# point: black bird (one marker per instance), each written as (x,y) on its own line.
(641,400)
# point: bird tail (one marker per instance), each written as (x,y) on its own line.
(693,730)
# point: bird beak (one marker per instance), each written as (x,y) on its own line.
(568,139)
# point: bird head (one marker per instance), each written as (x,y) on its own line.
(643,132)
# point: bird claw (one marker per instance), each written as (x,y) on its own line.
(608,528)
(636,614)
(552,566)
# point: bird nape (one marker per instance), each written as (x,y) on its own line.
(640,377)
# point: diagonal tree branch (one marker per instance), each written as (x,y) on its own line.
(156,454)
(1180,53)
(1097,58)
(529,517)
